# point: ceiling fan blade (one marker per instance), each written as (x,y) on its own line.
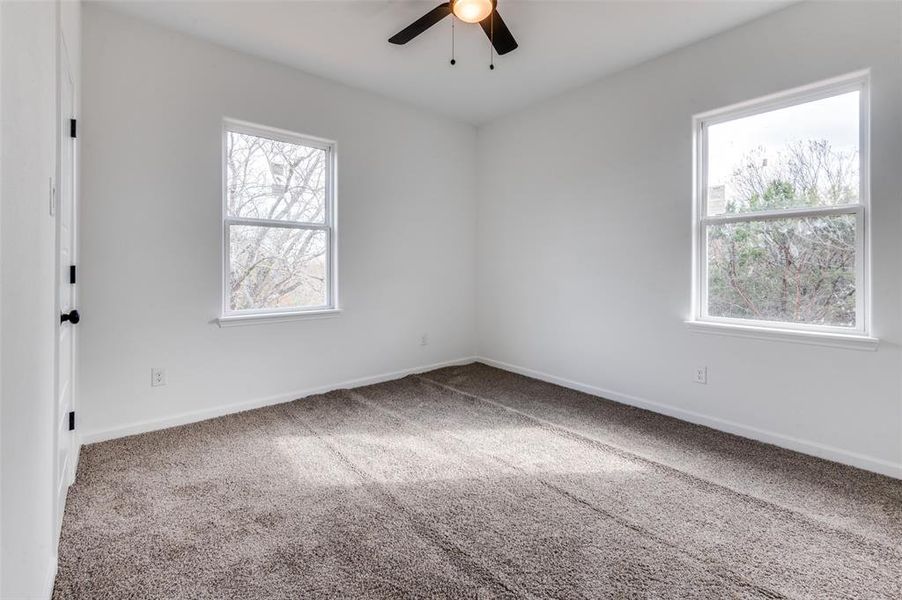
(502,38)
(422,24)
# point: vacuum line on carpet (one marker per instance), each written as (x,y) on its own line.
(721,570)
(695,480)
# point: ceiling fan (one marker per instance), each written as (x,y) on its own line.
(483,12)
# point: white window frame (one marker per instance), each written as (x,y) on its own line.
(329,226)
(858,336)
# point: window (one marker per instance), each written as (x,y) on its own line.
(780,211)
(278,222)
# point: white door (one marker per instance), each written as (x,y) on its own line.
(64,473)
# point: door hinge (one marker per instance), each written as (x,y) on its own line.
(72,274)
(72,420)
(72,128)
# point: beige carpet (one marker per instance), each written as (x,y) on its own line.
(475,483)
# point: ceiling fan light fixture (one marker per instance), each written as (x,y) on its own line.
(472,11)
(469,11)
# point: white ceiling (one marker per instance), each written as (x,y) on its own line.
(563,44)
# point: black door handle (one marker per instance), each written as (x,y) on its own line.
(72,317)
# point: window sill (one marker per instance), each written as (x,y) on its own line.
(278,317)
(816,338)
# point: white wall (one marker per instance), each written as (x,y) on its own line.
(584,240)
(28,140)
(150,231)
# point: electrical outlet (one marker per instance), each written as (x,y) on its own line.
(157,377)
(701,375)
(424,339)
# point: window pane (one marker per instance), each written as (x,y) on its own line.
(800,156)
(269,179)
(277,267)
(799,270)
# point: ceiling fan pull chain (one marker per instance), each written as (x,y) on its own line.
(453,62)
(492,42)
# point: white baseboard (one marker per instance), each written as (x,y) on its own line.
(862,461)
(92,437)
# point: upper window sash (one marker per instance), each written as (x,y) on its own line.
(319,211)
(853,82)
(724,136)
